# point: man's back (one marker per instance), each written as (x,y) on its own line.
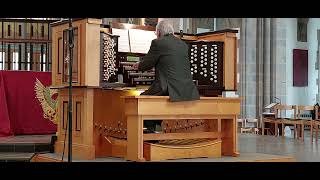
(169,55)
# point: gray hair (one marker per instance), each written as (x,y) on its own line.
(164,28)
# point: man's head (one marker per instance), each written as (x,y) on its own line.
(163,28)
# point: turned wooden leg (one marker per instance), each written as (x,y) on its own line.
(294,131)
(262,128)
(302,131)
(311,132)
(317,129)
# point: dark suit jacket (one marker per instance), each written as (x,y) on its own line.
(169,56)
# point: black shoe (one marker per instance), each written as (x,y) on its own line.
(148,131)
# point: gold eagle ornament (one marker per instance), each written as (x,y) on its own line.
(48,104)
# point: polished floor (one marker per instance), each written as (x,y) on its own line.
(255,146)
(302,151)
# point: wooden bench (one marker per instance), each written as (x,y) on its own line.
(222,113)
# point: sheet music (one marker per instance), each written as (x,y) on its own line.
(123,41)
(140,40)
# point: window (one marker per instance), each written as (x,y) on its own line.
(9,57)
(44,62)
(15,60)
(20,30)
(9,30)
(31,31)
(302,29)
(28,61)
(2,55)
(42,31)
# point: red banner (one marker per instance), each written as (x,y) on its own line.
(300,67)
(21,110)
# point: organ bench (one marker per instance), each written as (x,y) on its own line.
(221,132)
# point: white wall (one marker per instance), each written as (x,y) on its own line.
(302,95)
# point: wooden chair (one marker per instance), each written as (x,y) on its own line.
(313,123)
(316,122)
(254,128)
(254,121)
(288,121)
(276,120)
(246,130)
(241,123)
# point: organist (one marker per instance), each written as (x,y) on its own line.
(169,55)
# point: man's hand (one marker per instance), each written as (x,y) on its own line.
(136,66)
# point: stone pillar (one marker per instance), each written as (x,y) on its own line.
(262,64)
(267,99)
(250,68)
(318,66)
(278,59)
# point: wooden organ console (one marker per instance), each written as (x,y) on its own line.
(106,94)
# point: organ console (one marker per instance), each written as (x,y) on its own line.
(103,73)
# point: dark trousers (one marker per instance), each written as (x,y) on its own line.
(152,124)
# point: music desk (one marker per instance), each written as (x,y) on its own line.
(221,113)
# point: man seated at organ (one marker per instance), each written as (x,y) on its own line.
(169,56)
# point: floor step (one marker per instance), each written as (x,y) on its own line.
(15,157)
(27,144)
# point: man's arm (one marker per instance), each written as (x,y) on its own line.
(151,59)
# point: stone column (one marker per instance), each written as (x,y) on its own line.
(318,66)
(278,59)
(251,80)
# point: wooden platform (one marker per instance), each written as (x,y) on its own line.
(244,157)
(158,152)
